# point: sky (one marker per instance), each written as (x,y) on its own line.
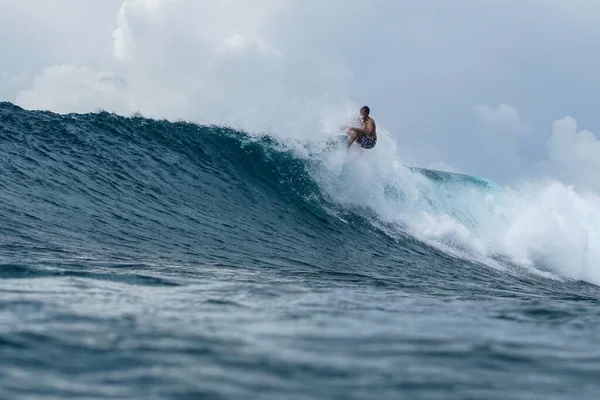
(503,89)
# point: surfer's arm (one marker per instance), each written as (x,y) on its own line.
(366,131)
(349,126)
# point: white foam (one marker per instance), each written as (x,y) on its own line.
(544,226)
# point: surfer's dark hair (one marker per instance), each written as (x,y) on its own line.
(366,109)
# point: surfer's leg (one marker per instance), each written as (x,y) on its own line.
(352,138)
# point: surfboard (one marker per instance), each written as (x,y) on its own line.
(337,141)
(340,141)
(341,138)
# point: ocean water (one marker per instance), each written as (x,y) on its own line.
(152,259)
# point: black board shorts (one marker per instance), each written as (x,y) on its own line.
(366,141)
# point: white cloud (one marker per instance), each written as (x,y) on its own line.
(204,61)
(505,117)
(36,33)
(241,43)
(121,36)
(573,155)
(80,89)
(10,84)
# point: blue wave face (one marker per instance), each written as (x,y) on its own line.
(104,183)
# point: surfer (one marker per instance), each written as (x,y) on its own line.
(365,136)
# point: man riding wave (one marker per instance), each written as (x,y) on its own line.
(365,136)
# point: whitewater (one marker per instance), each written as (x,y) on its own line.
(142,258)
(543,225)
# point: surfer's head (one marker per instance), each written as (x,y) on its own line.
(364,111)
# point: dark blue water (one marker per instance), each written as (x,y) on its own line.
(150,259)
